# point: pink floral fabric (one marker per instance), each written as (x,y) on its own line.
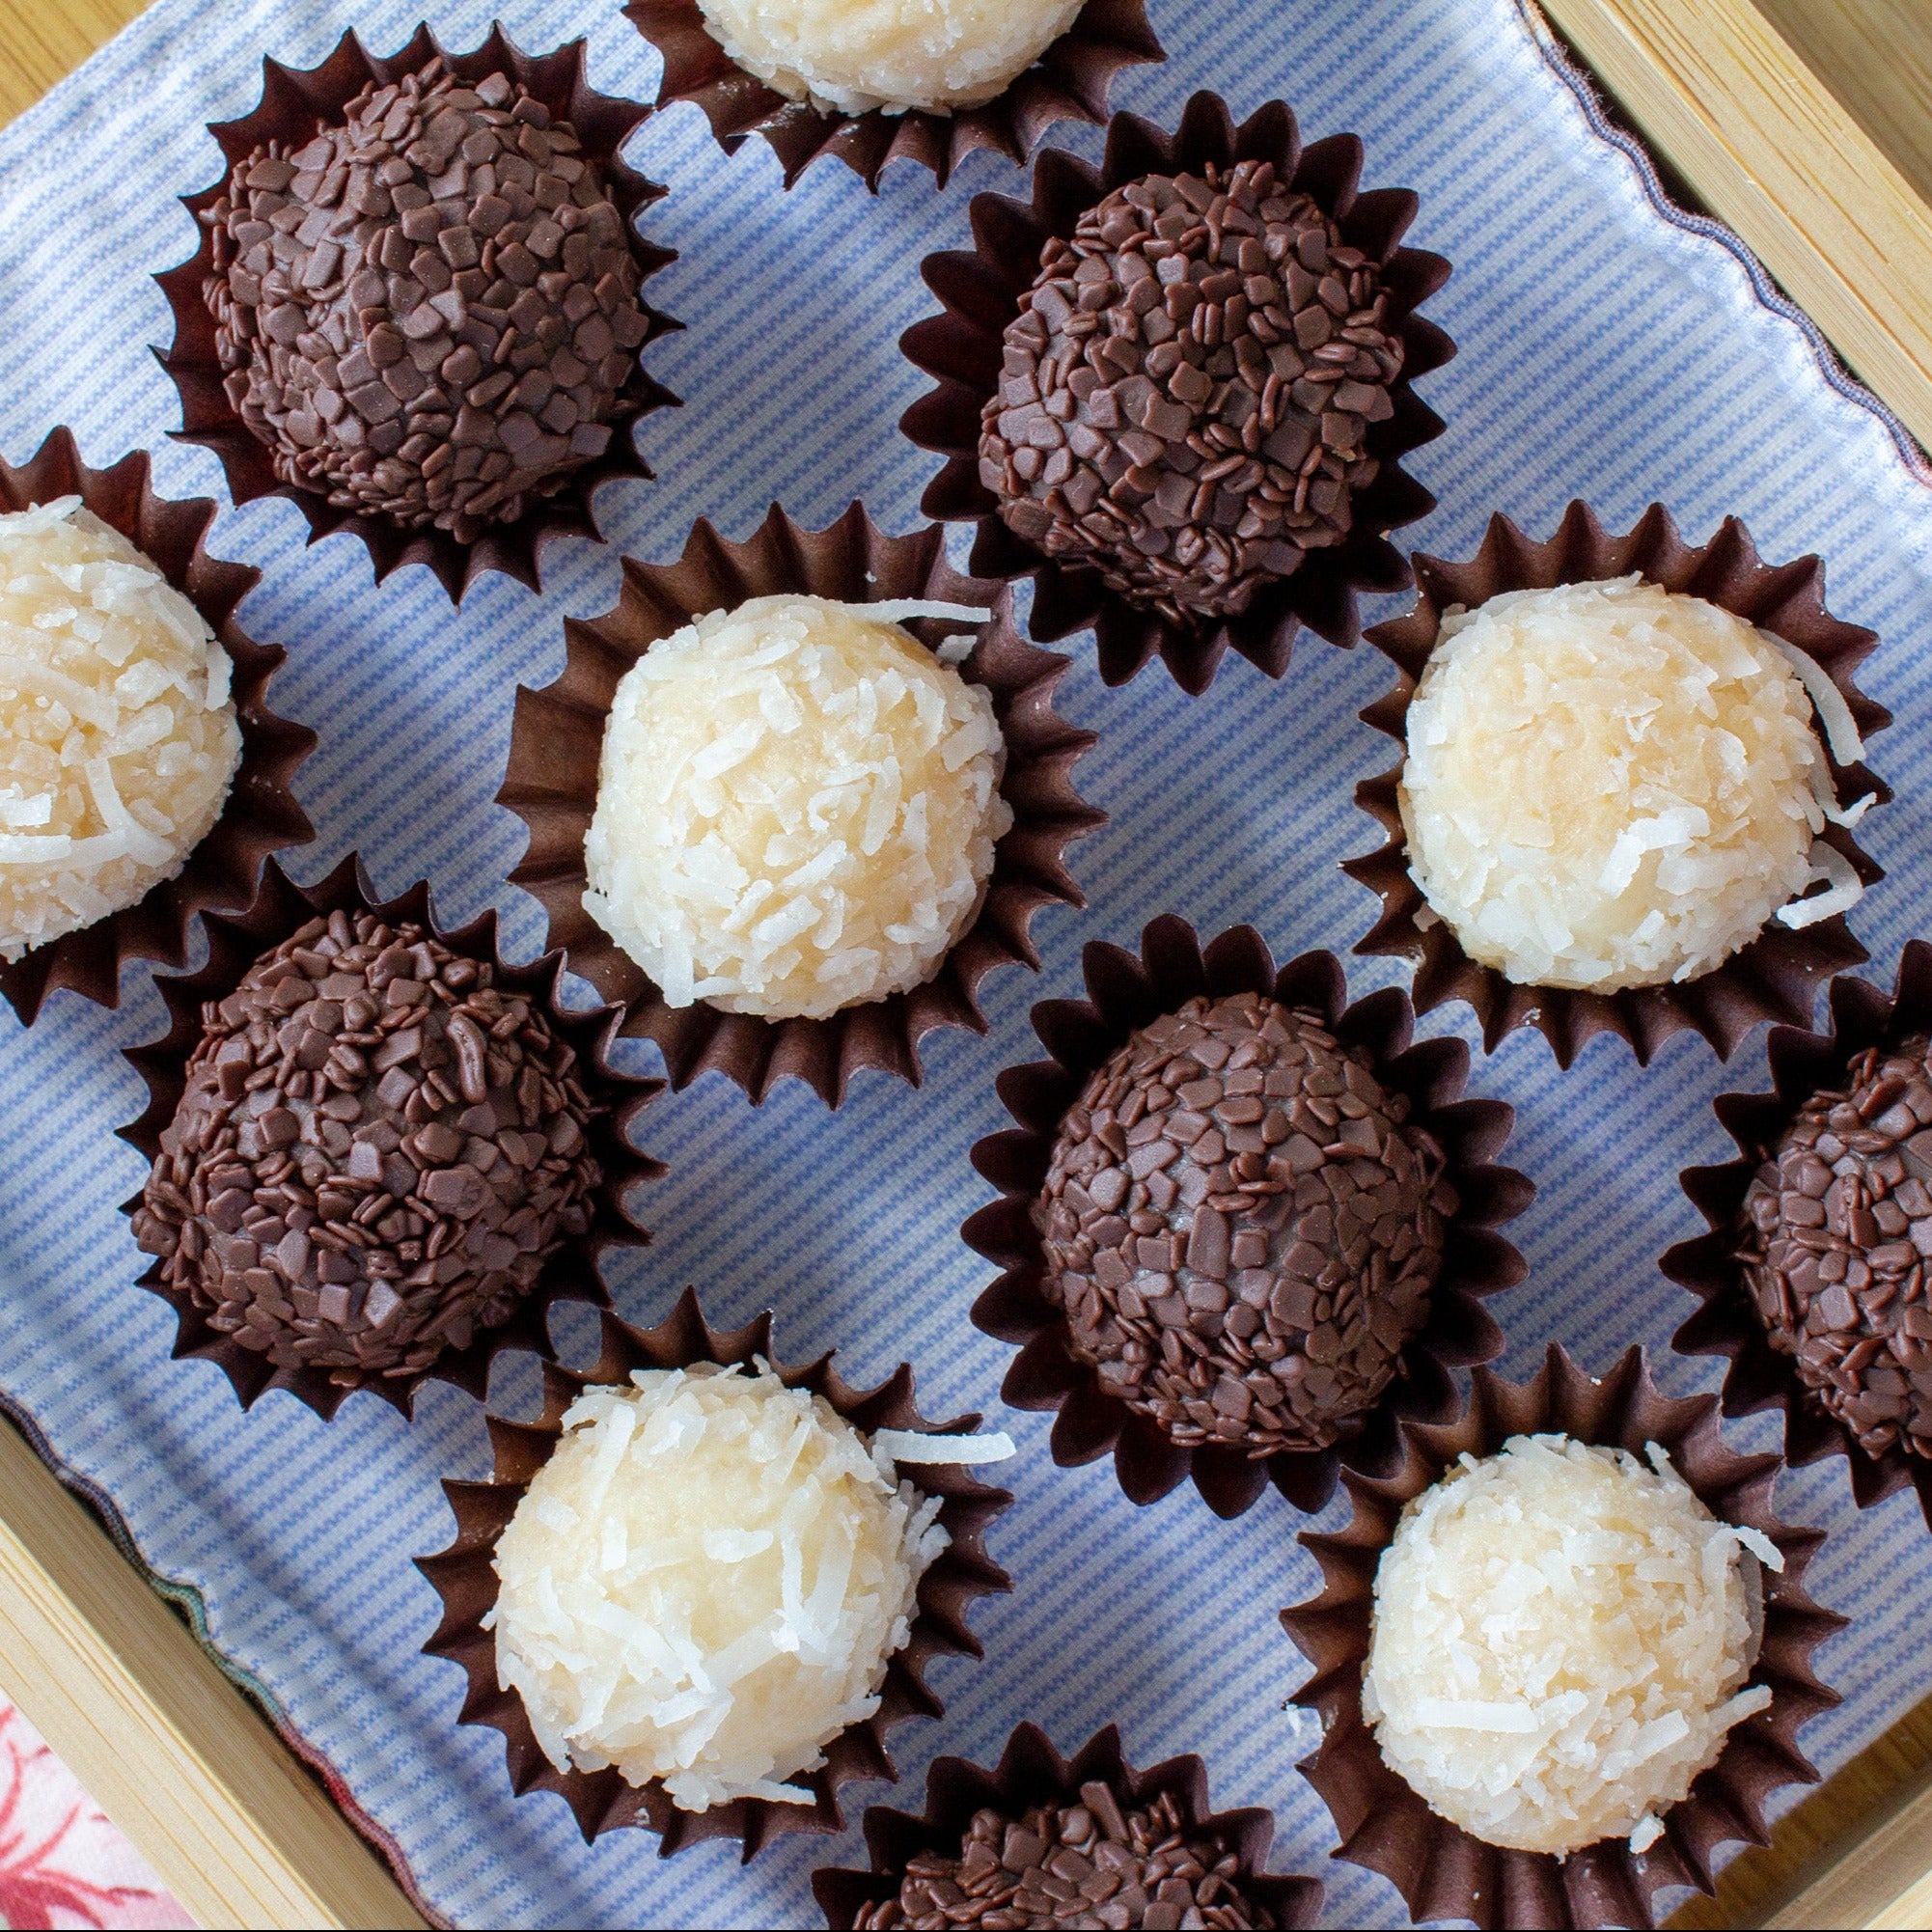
(62,1864)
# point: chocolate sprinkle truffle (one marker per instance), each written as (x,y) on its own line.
(1089,1864)
(1835,1233)
(1242,1228)
(376,1154)
(1187,390)
(427,312)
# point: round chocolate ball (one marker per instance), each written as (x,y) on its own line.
(1836,1233)
(1187,390)
(376,1154)
(428,312)
(1243,1227)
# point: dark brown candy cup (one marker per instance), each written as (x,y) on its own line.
(604,1801)
(1442,1870)
(260,816)
(1070,81)
(1777,975)
(1032,1773)
(1124,993)
(1758,1377)
(551,785)
(962,348)
(294,103)
(575,1273)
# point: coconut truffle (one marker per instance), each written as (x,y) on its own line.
(798,807)
(705,1583)
(118,735)
(851,56)
(1834,1237)
(1243,1227)
(1609,784)
(1560,1642)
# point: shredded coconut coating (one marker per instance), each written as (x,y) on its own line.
(1561,1638)
(796,810)
(849,56)
(118,737)
(1609,785)
(705,1583)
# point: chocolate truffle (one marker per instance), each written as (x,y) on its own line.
(427,312)
(1095,1862)
(376,1154)
(1188,388)
(1835,1230)
(1242,1228)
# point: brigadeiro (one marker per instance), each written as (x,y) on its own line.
(423,291)
(379,1152)
(1043,1841)
(1246,1222)
(1814,1273)
(1203,353)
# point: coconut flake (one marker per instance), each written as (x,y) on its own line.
(909,1445)
(1834,714)
(1843,890)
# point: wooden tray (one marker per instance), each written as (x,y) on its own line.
(1805,125)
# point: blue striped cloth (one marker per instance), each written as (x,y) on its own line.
(1607,349)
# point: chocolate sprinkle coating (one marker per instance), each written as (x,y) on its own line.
(1089,1864)
(376,1154)
(430,310)
(1187,390)
(1836,1231)
(1242,1228)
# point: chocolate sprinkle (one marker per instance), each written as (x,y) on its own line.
(1187,390)
(376,1154)
(427,312)
(1087,1864)
(1242,1228)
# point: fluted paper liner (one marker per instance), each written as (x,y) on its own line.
(982,291)
(296,103)
(1758,1377)
(260,816)
(1070,81)
(1442,1870)
(573,1273)
(557,740)
(1124,993)
(1777,975)
(1032,1773)
(602,1801)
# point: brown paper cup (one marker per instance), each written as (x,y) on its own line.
(982,291)
(1776,977)
(260,816)
(1442,1870)
(294,103)
(604,1801)
(1032,1773)
(1069,82)
(575,1273)
(1758,1377)
(552,785)
(1124,993)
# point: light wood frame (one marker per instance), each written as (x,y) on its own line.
(1805,125)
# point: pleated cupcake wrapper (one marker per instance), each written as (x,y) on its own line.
(1445,1872)
(551,785)
(962,349)
(1032,1773)
(1125,994)
(1070,81)
(1758,1377)
(1775,978)
(604,1801)
(260,816)
(297,102)
(573,1273)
